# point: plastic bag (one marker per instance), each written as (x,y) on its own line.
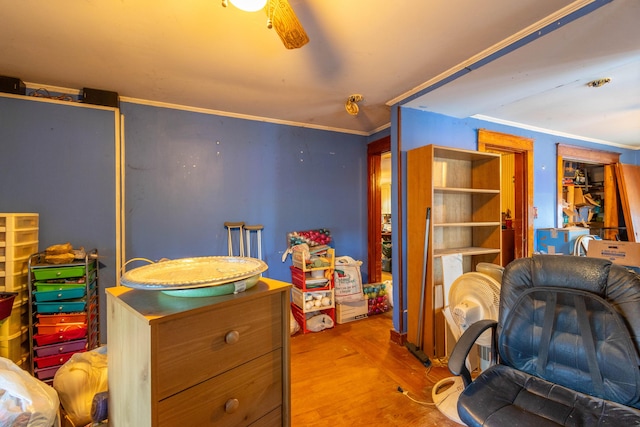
(319,323)
(294,326)
(25,401)
(348,280)
(78,380)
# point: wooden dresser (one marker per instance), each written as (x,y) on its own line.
(207,361)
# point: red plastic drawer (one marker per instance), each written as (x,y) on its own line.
(56,359)
(73,334)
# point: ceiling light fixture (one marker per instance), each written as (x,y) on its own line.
(599,82)
(351,105)
(247,5)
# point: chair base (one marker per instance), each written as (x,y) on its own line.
(517,398)
(445,395)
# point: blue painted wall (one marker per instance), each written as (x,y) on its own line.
(187,173)
(58,160)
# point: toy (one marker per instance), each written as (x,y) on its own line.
(321,236)
(377,298)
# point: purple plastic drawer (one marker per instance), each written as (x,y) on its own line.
(46,373)
(65,347)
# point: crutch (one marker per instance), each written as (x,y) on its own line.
(258,230)
(232,226)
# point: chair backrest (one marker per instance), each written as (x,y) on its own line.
(574,321)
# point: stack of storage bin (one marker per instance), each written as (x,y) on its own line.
(18,240)
(313,290)
(63,299)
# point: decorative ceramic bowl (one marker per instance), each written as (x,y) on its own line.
(197,277)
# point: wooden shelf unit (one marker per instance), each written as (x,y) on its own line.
(462,188)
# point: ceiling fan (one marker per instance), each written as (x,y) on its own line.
(281,17)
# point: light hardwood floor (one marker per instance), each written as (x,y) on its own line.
(349,376)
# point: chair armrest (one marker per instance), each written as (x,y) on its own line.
(463,347)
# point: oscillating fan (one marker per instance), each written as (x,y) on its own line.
(472,297)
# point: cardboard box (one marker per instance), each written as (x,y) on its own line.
(559,240)
(352,310)
(624,253)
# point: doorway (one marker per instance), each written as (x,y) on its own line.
(375,152)
(599,180)
(520,150)
(385,211)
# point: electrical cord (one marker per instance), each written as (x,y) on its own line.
(44,93)
(406,393)
(438,362)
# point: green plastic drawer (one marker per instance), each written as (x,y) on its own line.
(48,287)
(68,282)
(49,273)
(60,306)
(59,295)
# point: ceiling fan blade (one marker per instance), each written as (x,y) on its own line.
(286,24)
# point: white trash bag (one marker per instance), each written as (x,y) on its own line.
(25,401)
(319,322)
(80,378)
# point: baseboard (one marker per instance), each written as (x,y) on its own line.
(397,337)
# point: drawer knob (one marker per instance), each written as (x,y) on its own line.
(232,337)
(231,406)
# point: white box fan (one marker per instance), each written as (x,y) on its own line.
(472,297)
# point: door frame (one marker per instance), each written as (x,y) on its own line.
(525,211)
(610,160)
(375,150)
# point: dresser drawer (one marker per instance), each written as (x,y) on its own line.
(235,398)
(273,418)
(195,348)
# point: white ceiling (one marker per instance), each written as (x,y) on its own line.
(543,84)
(197,53)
